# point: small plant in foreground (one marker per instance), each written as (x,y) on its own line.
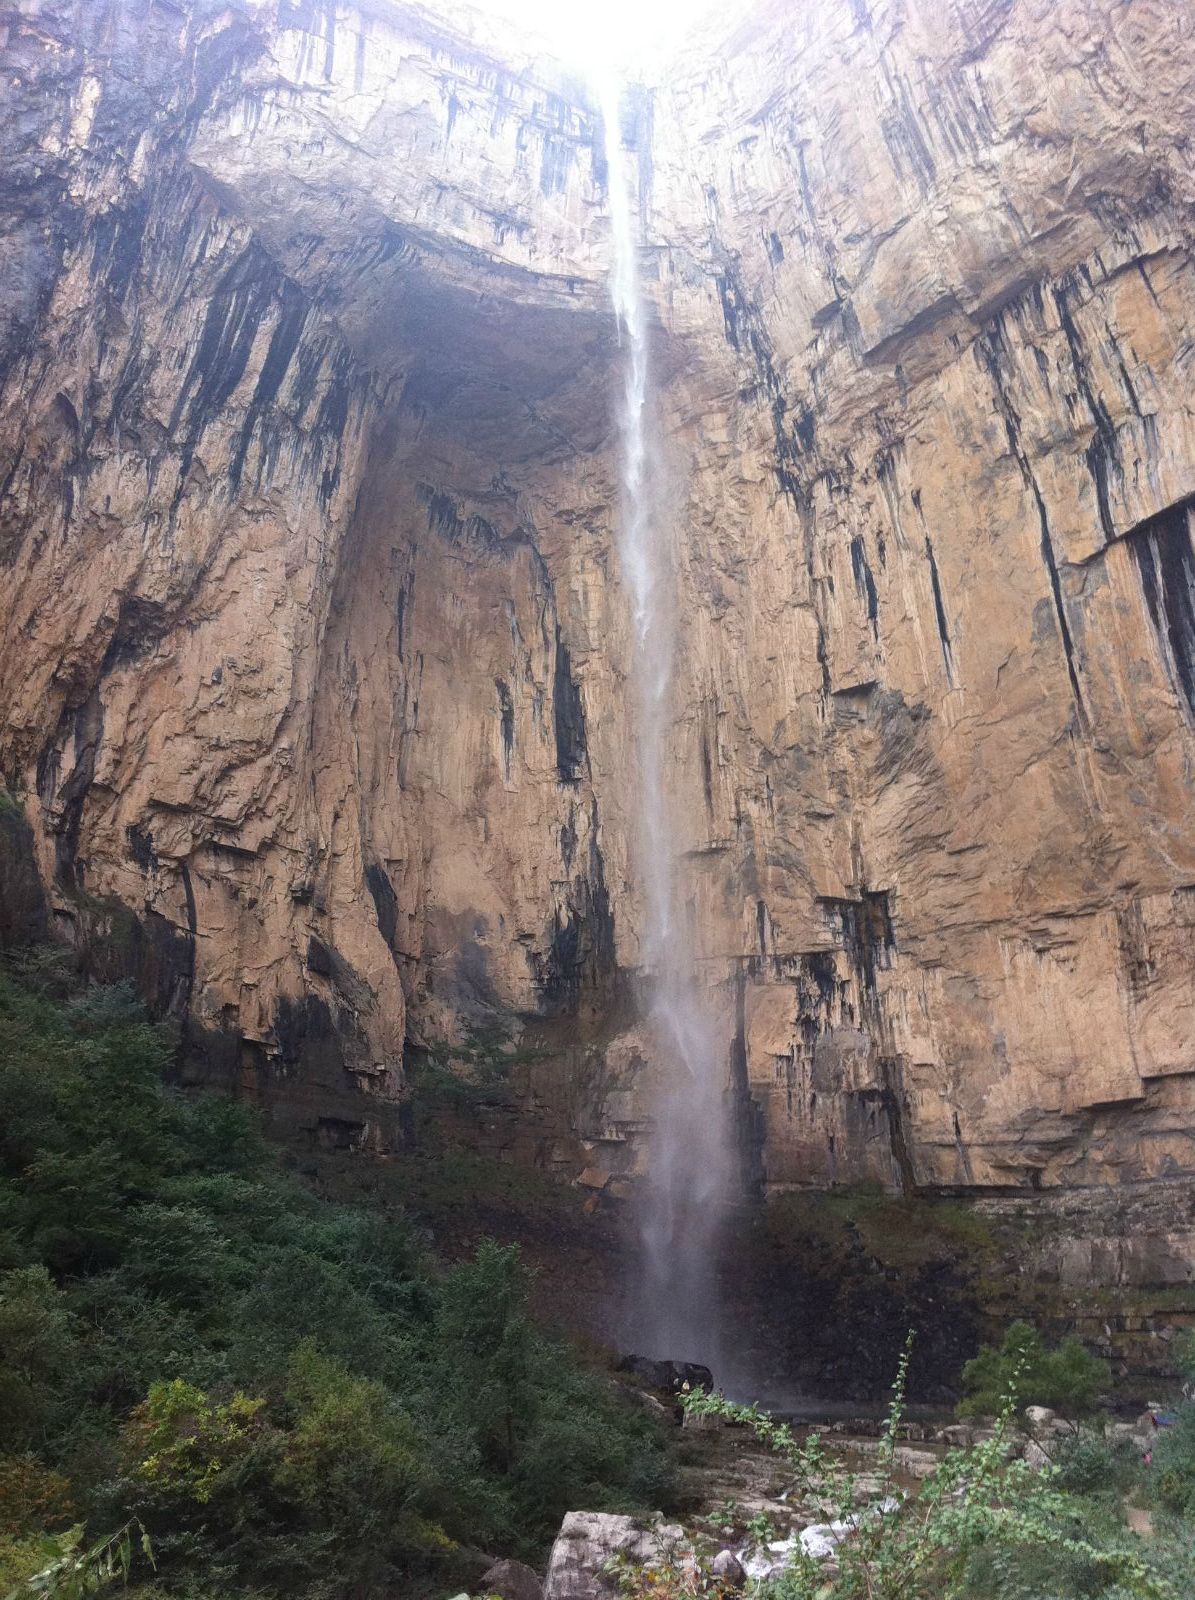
(761,1529)
(69,1570)
(726,1518)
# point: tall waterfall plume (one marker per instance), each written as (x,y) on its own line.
(674,1304)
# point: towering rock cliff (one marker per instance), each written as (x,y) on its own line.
(314,649)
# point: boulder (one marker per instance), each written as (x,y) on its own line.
(727,1567)
(670,1377)
(1040,1418)
(959,1435)
(1046,1424)
(589,1541)
(511,1580)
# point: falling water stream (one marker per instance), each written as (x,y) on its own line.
(673,1309)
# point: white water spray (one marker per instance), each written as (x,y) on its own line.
(674,1306)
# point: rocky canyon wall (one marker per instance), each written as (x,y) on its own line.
(315,654)
(949,659)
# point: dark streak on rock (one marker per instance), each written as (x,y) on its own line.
(580,957)
(568,715)
(988,348)
(406,596)
(1165,559)
(385,902)
(895,1104)
(283,343)
(1102,454)
(707,772)
(746,1114)
(939,609)
(506,709)
(141,847)
(793,444)
(866,930)
(865,582)
(444,518)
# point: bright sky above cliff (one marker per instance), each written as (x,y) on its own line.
(609,33)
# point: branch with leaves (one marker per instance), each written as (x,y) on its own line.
(75,1571)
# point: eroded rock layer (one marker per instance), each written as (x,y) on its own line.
(315,654)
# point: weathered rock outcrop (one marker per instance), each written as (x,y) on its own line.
(314,653)
(591,1544)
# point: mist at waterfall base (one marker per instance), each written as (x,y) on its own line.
(673,1306)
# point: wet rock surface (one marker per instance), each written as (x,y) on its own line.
(668,1377)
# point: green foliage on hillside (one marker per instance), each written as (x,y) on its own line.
(288,1396)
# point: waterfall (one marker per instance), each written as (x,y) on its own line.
(673,1310)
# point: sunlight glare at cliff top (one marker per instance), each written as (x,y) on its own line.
(597,36)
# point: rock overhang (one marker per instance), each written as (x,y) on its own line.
(445,211)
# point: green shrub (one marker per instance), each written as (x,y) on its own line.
(32,1498)
(37,1345)
(1172,1472)
(1069,1379)
(354,1461)
(1184,1355)
(1086,1554)
(545,1437)
(1087,1463)
(182,1443)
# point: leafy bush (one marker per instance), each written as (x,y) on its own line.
(1068,1379)
(32,1497)
(289,1394)
(35,1337)
(1087,1554)
(184,1444)
(1172,1473)
(1087,1463)
(1184,1355)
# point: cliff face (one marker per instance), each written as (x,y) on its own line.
(951,683)
(314,652)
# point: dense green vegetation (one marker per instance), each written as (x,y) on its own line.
(286,1395)
(232,1388)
